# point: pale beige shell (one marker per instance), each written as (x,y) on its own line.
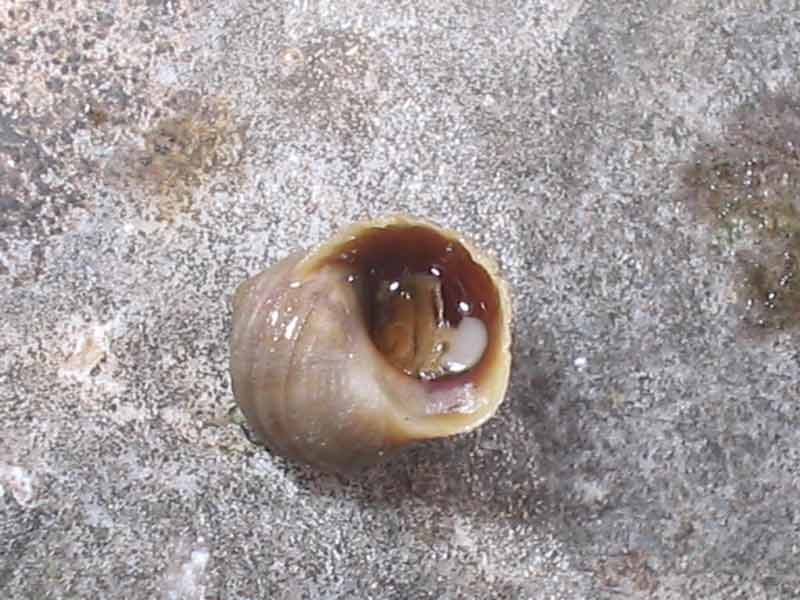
(311,382)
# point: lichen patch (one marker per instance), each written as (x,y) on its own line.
(747,186)
(180,154)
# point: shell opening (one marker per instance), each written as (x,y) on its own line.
(432,310)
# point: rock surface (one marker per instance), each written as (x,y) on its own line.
(153,154)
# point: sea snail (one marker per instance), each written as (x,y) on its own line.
(392,332)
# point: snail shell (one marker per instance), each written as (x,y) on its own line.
(392,332)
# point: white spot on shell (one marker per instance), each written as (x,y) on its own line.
(290,327)
(467,345)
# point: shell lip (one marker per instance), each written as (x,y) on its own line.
(322,251)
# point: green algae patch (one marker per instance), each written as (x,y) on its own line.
(747,185)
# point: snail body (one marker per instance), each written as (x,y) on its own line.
(392,332)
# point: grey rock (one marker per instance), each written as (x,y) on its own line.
(152,155)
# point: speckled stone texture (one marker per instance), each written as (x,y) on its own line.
(154,153)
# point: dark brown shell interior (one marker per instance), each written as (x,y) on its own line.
(387,253)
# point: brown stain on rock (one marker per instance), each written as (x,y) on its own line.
(198,141)
(627,573)
(97,116)
(747,184)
